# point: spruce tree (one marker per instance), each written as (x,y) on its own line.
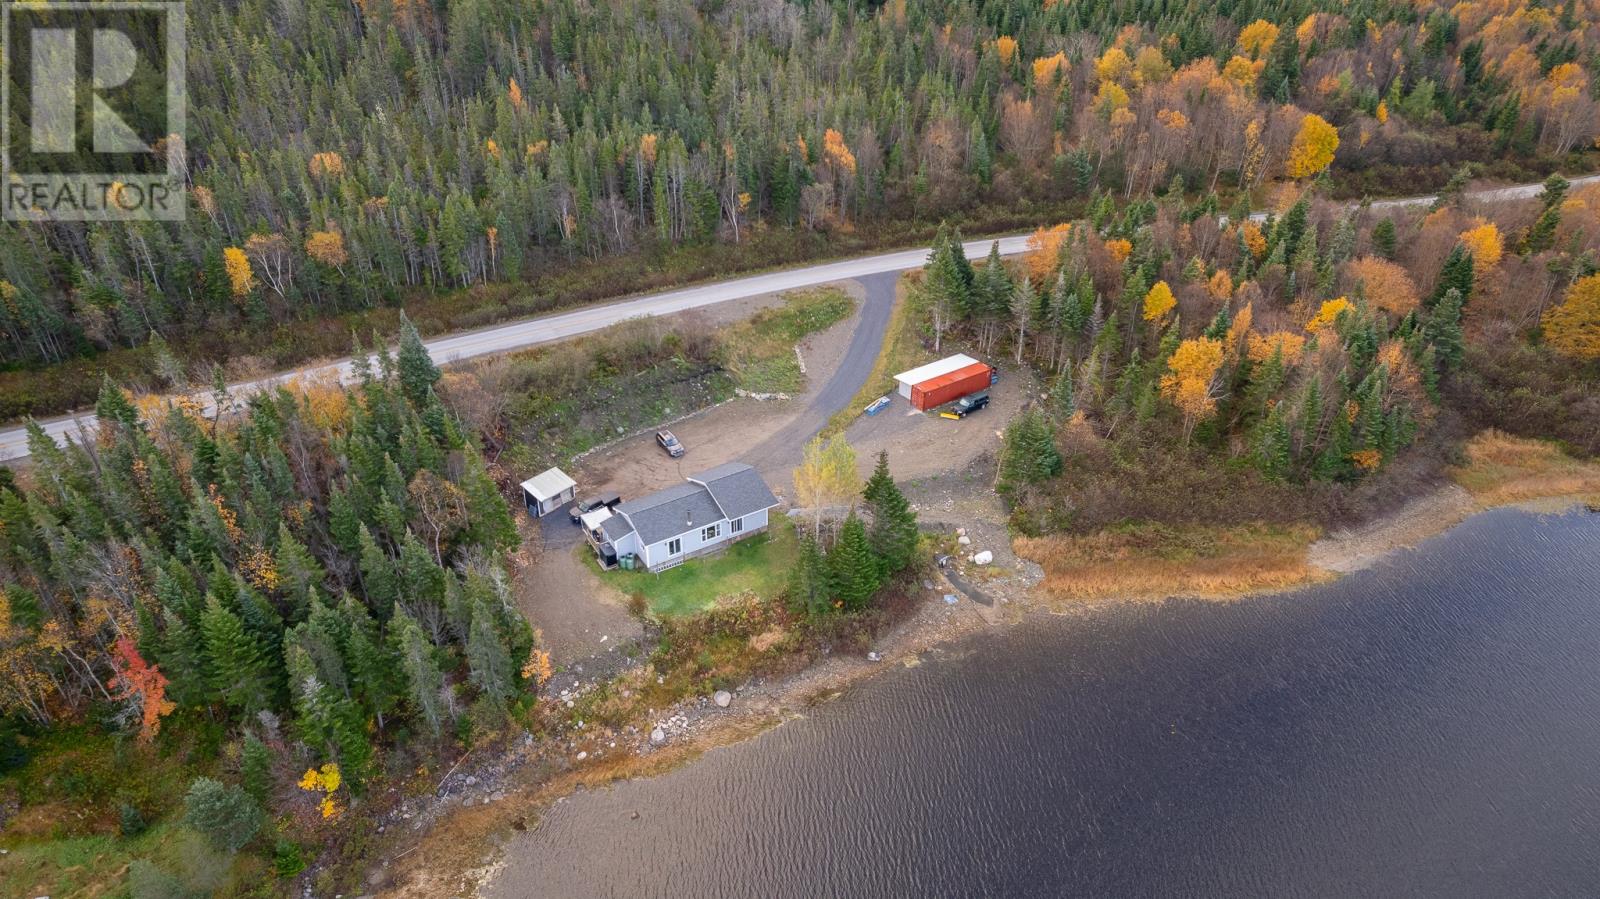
(255,768)
(490,666)
(224,814)
(893,534)
(370,664)
(809,587)
(853,570)
(1457,273)
(423,679)
(237,665)
(1442,330)
(1030,451)
(417,372)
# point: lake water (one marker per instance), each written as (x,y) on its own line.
(1429,727)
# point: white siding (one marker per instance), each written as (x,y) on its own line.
(755,521)
(656,553)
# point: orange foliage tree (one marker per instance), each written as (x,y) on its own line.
(1044,251)
(141,683)
(1387,285)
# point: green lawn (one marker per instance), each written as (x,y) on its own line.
(758,565)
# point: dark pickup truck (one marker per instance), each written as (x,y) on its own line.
(584,506)
(967,405)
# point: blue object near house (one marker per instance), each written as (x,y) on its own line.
(878,405)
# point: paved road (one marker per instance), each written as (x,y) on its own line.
(782,451)
(519,335)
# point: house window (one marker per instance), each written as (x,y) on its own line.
(674,546)
(710,533)
(736,525)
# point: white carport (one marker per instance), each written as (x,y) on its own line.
(548,491)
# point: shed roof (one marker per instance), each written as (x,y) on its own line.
(673,511)
(935,369)
(592,520)
(548,484)
(737,489)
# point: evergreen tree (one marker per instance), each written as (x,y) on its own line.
(423,679)
(255,768)
(1540,236)
(809,586)
(1457,273)
(1030,453)
(371,665)
(852,569)
(236,663)
(490,665)
(1442,330)
(893,533)
(224,814)
(418,374)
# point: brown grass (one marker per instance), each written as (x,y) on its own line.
(1503,469)
(1154,561)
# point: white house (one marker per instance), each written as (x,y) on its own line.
(548,491)
(712,510)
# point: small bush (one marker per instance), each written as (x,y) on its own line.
(224,814)
(131,820)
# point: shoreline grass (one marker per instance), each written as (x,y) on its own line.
(1151,561)
(1502,469)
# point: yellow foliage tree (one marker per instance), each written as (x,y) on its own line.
(1313,147)
(1119,249)
(1254,240)
(1328,314)
(1257,38)
(1045,68)
(1150,66)
(1289,345)
(1158,302)
(327,247)
(1241,72)
(1573,328)
(1110,98)
(837,152)
(1113,65)
(1191,381)
(1006,47)
(827,477)
(241,277)
(1485,243)
(326,165)
(1382,112)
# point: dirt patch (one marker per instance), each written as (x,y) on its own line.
(923,445)
(577,614)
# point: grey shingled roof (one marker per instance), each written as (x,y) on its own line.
(615,528)
(737,489)
(673,511)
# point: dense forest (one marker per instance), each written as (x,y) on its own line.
(320,570)
(1211,373)
(349,155)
